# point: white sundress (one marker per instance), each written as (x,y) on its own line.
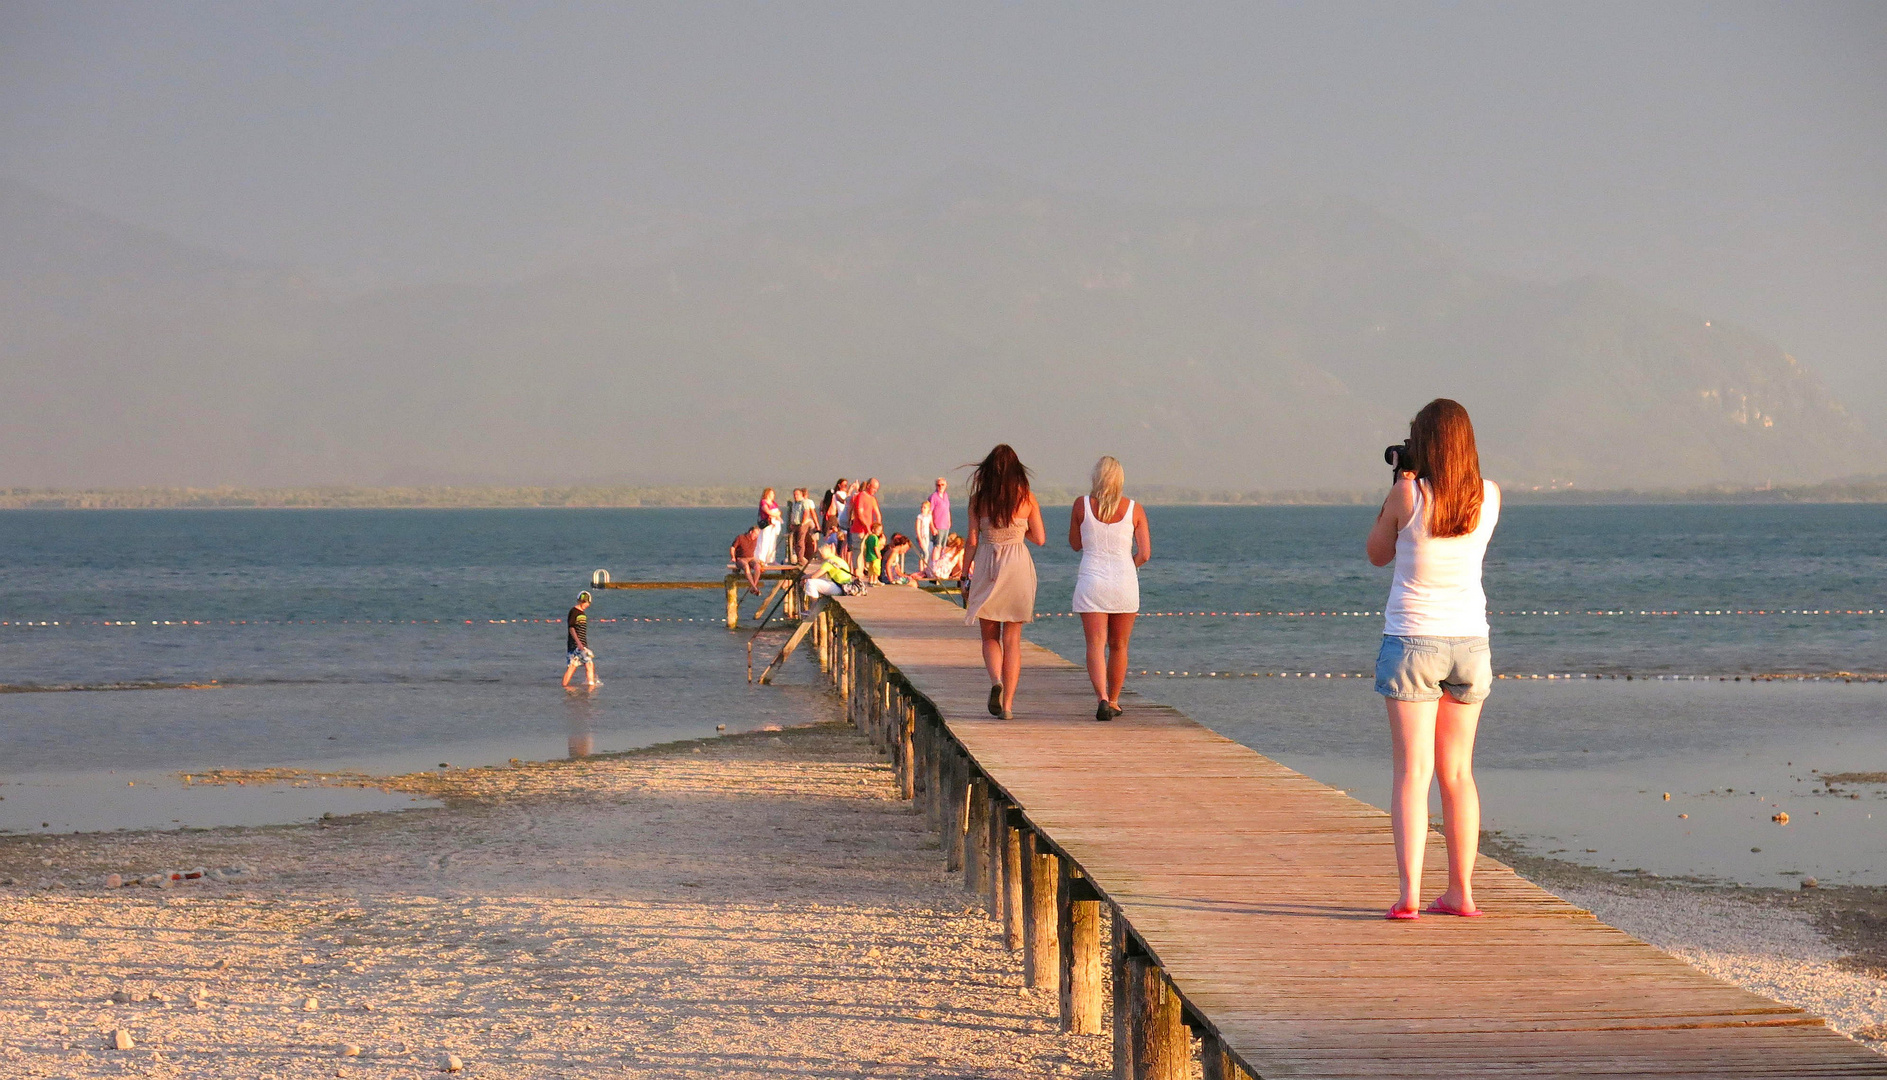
(1108,581)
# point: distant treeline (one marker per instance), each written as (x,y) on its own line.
(1871,489)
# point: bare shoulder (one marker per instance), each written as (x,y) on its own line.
(1077,513)
(1402,496)
(1140,513)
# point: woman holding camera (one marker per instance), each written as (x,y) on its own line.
(1434,669)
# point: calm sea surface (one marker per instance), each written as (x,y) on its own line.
(403,639)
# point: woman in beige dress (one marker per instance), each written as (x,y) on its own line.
(1004,519)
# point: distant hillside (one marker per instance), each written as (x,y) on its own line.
(1853,490)
(1235,350)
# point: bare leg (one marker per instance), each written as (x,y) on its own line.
(1455,725)
(1011,662)
(568,670)
(1120,631)
(589,669)
(992,649)
(1095,626)
(1412,733)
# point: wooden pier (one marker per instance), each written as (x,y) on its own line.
(1238,903)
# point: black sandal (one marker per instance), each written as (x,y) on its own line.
(1103,713)
(995,700)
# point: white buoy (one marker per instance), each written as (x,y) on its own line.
(599,578)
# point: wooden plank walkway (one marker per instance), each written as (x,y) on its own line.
(1258,893)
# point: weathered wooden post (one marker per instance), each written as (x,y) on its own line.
(1218,1062)
(994,825)
(1123,999)
(907,747)
(1161,1047)
(956,809)
(732,585)
(874,700)
(1012,913)
(935,775)
(1041,884)
(975,842)
(1078,948)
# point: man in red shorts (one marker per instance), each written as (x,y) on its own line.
(865,517)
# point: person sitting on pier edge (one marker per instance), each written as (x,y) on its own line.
(1114,543)
(946,561)
(896,549)
(828,575)
(576,641)
(1004,519)
(1434,669)
(744,555)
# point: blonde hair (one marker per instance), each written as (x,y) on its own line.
(1107,481)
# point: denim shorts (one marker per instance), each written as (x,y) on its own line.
(1420,668)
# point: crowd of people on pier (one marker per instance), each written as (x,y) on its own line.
(840,542)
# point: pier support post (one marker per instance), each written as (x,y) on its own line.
(994,825)
(975,839)
(874,701)
(1123,999)
(1041,885)
(1217,1062)
(733,584)
(956,806)
(1078,952)
(1012,911)
(1160,1046)
(936,776)
(907,748)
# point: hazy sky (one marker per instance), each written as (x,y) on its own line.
(1729,157)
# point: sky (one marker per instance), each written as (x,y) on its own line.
(1727,157)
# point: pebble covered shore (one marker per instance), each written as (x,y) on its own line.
(755,906)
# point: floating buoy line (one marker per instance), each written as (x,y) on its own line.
(1838,676)
(1546,613)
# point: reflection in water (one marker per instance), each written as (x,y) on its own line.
(579,724)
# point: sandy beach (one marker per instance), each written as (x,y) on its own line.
(753,906)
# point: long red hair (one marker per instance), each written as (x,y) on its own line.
(1441,438)
(999,488)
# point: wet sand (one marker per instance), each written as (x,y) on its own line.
(754,906)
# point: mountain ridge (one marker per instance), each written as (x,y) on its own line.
(1237,348)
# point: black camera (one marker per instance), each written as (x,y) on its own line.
(1401,458)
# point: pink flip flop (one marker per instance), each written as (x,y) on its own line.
(1439,908)
(1401,913)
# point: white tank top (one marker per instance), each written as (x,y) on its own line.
(1108,580)
(1437,589)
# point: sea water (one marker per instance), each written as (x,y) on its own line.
(139,646)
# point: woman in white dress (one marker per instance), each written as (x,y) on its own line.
(1111,535)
